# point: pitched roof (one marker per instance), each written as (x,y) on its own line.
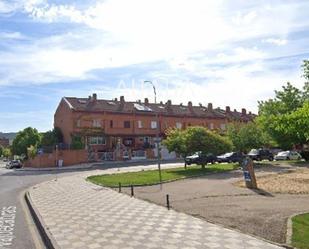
(92,104)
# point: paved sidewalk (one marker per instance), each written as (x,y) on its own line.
(81,215)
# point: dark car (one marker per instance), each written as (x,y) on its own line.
(230,157)
(200,158)
(261,154)
(14,164)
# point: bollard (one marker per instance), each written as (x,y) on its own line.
(132,191)
(168,202)
(119,187)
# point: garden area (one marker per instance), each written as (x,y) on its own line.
(217,195)
(151,177)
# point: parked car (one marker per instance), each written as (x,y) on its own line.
(260,154)
(230,157)
(14,164)
(288,155)
(200,158)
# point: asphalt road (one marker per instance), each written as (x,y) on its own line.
(17,229)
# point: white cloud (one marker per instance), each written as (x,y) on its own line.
(193,37)
(11,35)
(278,42)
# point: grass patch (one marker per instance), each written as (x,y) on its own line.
(152,176)
(300,236)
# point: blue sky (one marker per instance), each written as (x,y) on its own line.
(225,52)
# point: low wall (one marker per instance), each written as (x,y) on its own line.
(69,157)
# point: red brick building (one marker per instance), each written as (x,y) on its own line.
(105,124)
(4,142)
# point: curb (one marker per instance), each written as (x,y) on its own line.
(65,168)
(47,238)
(289,229)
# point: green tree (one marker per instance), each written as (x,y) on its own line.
(32,151)
(196,139)
(51,138)
(175,141)
(276,115)
(77,143)
(206,141)
(247,136)
(305,67)
(1,150)
(296,124)
(7,152)
(24,139)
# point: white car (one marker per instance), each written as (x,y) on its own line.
(288,155)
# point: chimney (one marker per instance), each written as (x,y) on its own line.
(161,103)
(243,111)
(94,96)
(228,109)
(146,101)
(209,106)
(169,103)
(122,99)
(250,113)
(235,110)
(190,106)
(116,99)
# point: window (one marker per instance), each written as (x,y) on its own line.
(178,125)
(139,124)
(78,123)
(96,123)
(126,124)
(153,124)
(211,126)
(128,141)
(111,124)
(222,126)
(97,140)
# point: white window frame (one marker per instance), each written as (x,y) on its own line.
(211,126)
(96,123)
(96,140)
(139,124)
(223,127)
(78,123)
(178,125)
(154,124)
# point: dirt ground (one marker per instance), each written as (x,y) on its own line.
(291,182)
(218,199)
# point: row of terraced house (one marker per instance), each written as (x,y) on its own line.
(106,126)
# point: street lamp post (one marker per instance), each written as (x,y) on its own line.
(157,132)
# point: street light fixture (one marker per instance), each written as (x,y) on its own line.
(157,133)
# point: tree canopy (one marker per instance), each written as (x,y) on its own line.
(7,152)
(24,139)
(194,139)
(247,136)
(285,117)
(51,138)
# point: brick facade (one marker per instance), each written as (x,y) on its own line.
(4,142)
(106,125)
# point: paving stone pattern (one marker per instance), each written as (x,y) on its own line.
(81,215)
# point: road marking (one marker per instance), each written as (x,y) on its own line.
(7,223)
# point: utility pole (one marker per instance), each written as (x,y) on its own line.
(157,133)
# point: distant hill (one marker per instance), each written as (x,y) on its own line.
(9,135)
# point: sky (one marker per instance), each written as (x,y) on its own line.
(225,52)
